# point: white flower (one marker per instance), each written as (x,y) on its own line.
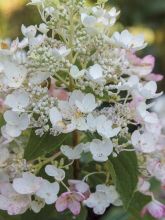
(131,84)
(5,135)
(55,116)
(91,122)
(104,127)
(24,43)
(29,32)
(11,201)
(20,57)
(43,28)
(101,149)
(55,172)
(148,91)
(159,108)
(143,185)
(113,12)
(79,123)
(102,198)
(48,191)
(87,104)
(61,52)
(107,18)
(4,154)
(36,41)
(16,123)
(76,73)
(99,18)
(77,104)
(14,74)
(49,11)
(38,77)
(149,118)
(111,194)
(98,202)
(37,204)
(18,100)
(27,184)
(144,142)
(72,153)
(88,20)
(95,72)
(127,41)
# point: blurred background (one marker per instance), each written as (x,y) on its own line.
(146,16)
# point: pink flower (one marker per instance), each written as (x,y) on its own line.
(154,77)
(144,67)
(154,208)
(148,60)
(79,186)
(71,201)
(58,93)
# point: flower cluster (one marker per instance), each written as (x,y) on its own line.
(70,77)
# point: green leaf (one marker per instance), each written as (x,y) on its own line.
(125,175)
(50,213)
(116,214)
(5,216)
(39,146)
(124,172)
(138,202)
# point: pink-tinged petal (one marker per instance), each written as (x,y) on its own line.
(144,211)
(154,77)
(79,186)
(58,93)
(163,186)
(136,101)
(78,196)
(154,208)
(61,203)
(150,60)
(74,206)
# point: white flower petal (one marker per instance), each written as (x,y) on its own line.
(48,191)
(27,184)
(55,172)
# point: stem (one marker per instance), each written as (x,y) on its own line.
(76,164)
(61,79)
(42,163)
(90,174)
(65,186)
(125,101)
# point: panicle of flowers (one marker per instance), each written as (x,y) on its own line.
(71,76)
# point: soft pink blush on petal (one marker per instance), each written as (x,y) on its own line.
(157,211)
(62,203)
(154,77)
(148,60)
(78,196)
(59,93)
(135,102)
(154,208)
(74,206)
